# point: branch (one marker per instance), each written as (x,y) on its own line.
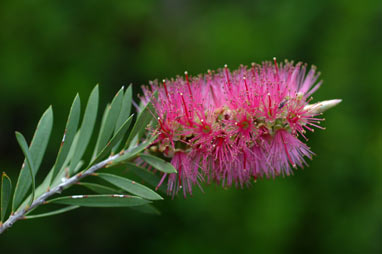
(58,189)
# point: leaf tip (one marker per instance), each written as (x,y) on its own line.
(96,89)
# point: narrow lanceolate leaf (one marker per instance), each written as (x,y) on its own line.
(36,150)
(125,109)
(86,129)
(124,114)
(78,168)
(103,122)
(130,186)
(109,122)
(143,119)
(116,138)
(127,101)
(62,210)
(114,200)
(6,188)
(24,147)
(147,176)
(72,149)
(158,163)
(98,188)
(67,140)
(149,209)
(45,185)
(132,152)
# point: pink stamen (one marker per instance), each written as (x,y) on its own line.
(185,108)
(227,76)
(246,87)
(270,104)
(276,67)
(188,83)
(244,160)
(165,89)
(286,151)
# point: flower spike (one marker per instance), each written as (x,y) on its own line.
(235,127)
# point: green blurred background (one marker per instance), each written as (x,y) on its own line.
(50,50)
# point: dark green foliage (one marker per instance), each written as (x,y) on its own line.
(36,151)
(5,194)
(55,212)
(158,163)
(130,186)
(87,127)
(143,119)
(109,122)
(67,140)
(114,126)
(29,161)
(114,200)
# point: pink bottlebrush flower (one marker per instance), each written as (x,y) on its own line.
(231,127)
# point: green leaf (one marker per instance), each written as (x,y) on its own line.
(6,189)
(79,165)
(36,150)
(98,188)
(120,170)
(147,176)
(86,129)
(44,186)
(125,109)
(109,121)
(62,210)
(70,155)
(132,152)
(101,189)
(130,186)
(149,209)
(103,122)
(24,147)
(158,163)
(116,138)
(115,200)
(67,140)
(124,114)
(143,119)
(127,101)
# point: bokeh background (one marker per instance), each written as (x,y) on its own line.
(50,50)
